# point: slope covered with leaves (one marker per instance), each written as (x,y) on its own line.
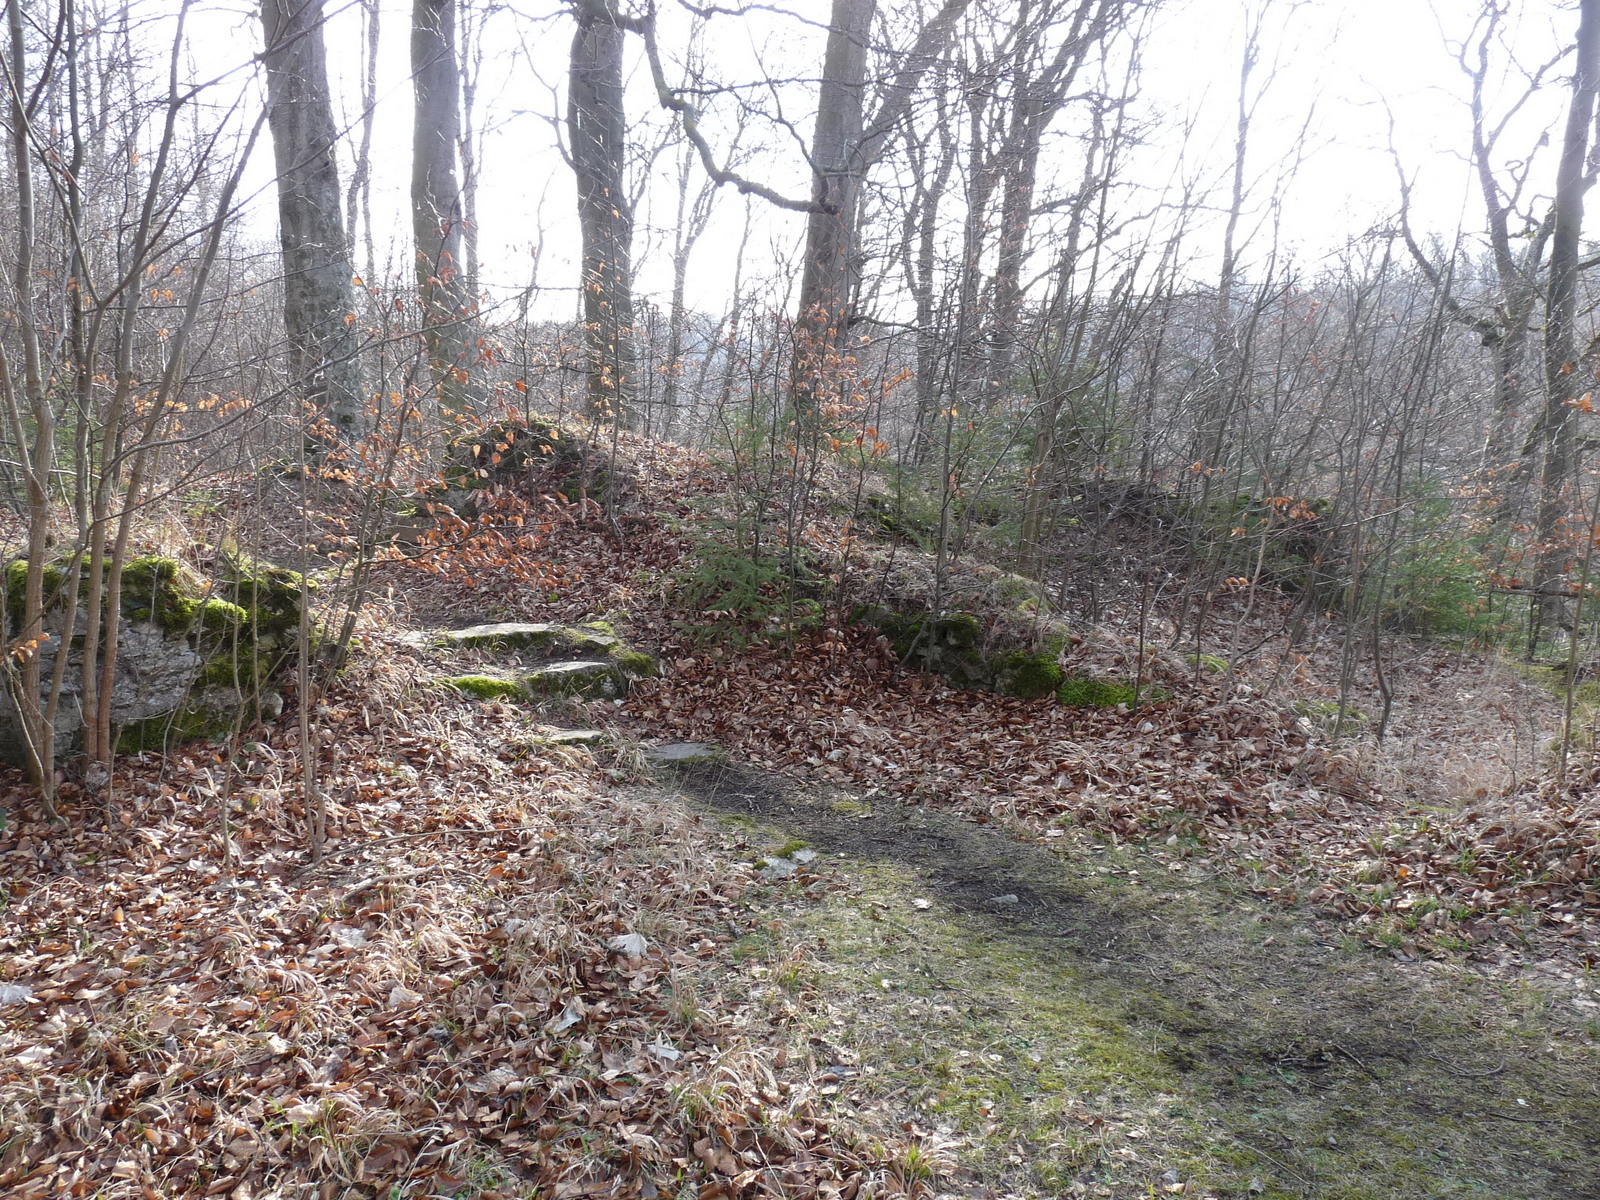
(509,972)
(1414,840)
(513,970)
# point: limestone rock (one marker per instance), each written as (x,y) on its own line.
(193,654)
(585,679)
(683,754)
(573,737)
(536,636)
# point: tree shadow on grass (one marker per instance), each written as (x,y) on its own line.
(1323,1072)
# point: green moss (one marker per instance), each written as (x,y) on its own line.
(161,590)
(189,723)
(1018,592)
(959,630)
(246,670)
(486,687)
(634,663)
(1028,676)
(1083,692)
(55,578)
(587,680)
(596,638)
(271,596)
(220,616)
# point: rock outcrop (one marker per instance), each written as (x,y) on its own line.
(195,657)
(535,661)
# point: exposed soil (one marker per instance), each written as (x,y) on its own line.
(1323,1070)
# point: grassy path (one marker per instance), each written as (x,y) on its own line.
(1070,1026)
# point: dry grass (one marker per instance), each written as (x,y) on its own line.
(436,1006)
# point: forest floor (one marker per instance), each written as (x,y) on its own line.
(1195,947)
(1077,1019)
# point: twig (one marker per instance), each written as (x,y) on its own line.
(411,837)
(376,881)
(1468,1074)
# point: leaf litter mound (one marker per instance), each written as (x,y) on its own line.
(508,973)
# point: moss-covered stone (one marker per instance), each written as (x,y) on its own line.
(583,680)
(959,630)
(1028,676)
(539,637)
(191,722)
(486,687)
(635,664)
(271,596)
(222,616)
(194,653)
(54,580)
(162,591)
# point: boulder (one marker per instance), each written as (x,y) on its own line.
(588,661)
(195,656)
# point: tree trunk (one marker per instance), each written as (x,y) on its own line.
(596,124)
(436,215)
(317,298)
(1562,383)
(831,271)
(358,195)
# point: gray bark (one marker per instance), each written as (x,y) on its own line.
(1562,382)
(831,270)
(1040,90)
(436,214)
(358,195)
(317,297)
(597,127)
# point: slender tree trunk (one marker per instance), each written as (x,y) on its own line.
(436,214)
(1562,383)
(471,72)
(597,125)
(32,406)
(317,298)
(358,196)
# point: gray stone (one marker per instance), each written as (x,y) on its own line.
(587,680)
(155,671)
(573,737)
(682,754)
(531,635)
(777,868)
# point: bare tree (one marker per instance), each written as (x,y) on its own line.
(358,193)
(830,273)
(318,304)
(597,128)
(436,213)
(1574,177)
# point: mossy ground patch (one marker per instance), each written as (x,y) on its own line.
(1100,1031)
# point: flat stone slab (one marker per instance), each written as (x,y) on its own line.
(591,680)
(682,754)
(573,737)
(531,635)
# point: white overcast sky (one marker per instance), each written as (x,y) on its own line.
(1345,66)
